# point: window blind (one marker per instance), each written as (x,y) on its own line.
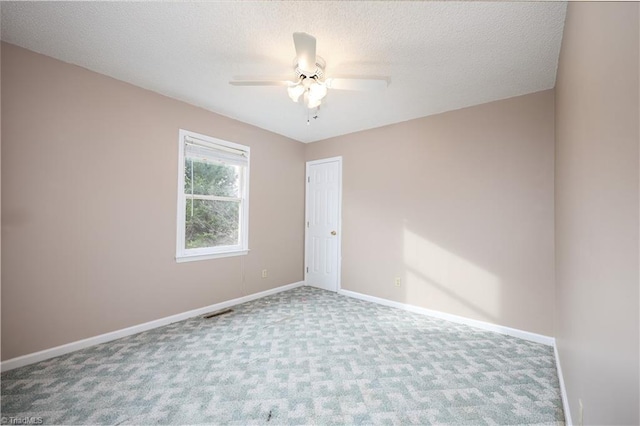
(213,153)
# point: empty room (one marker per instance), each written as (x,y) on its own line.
(320,212)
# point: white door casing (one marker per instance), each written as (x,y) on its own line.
(323,206)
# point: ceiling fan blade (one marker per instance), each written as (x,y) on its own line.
(358,83)
(261,83)
(305,52)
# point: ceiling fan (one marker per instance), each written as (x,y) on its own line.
(310,82)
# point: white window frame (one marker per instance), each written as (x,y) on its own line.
(187,255)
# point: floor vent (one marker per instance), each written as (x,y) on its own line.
(217,314)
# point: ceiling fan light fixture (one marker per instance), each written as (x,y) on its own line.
(295,92)
(318,90)
(310,82)
(313,102)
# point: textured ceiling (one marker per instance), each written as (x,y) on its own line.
(440,56)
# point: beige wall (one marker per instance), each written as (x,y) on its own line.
(89,179)
(597,211)
(460,206)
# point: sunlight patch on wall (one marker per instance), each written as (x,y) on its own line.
(448,282)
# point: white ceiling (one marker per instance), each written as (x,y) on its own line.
(440,56)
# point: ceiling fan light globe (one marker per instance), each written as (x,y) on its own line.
(318,90)
(295,92)
(294,98)
(313,102)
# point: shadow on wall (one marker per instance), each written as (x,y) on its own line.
(478,255)
(446,279)
(501,276)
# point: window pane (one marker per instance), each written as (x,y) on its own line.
(211,179)
(211,223)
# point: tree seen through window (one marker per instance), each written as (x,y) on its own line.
(211,222)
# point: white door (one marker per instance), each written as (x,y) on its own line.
(322,236)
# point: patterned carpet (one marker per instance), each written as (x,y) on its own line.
(305,356)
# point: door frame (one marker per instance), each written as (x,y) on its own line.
(306,216)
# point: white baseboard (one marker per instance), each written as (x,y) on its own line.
(538,338)
(32,358)
(563,390)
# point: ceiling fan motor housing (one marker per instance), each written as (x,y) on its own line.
(318,73)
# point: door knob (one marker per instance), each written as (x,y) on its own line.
(333,232)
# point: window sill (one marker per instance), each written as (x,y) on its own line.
(196,257)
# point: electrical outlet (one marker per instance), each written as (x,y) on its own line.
(398,282)
(264,273)
(580,415)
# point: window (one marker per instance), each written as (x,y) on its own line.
(213,189)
